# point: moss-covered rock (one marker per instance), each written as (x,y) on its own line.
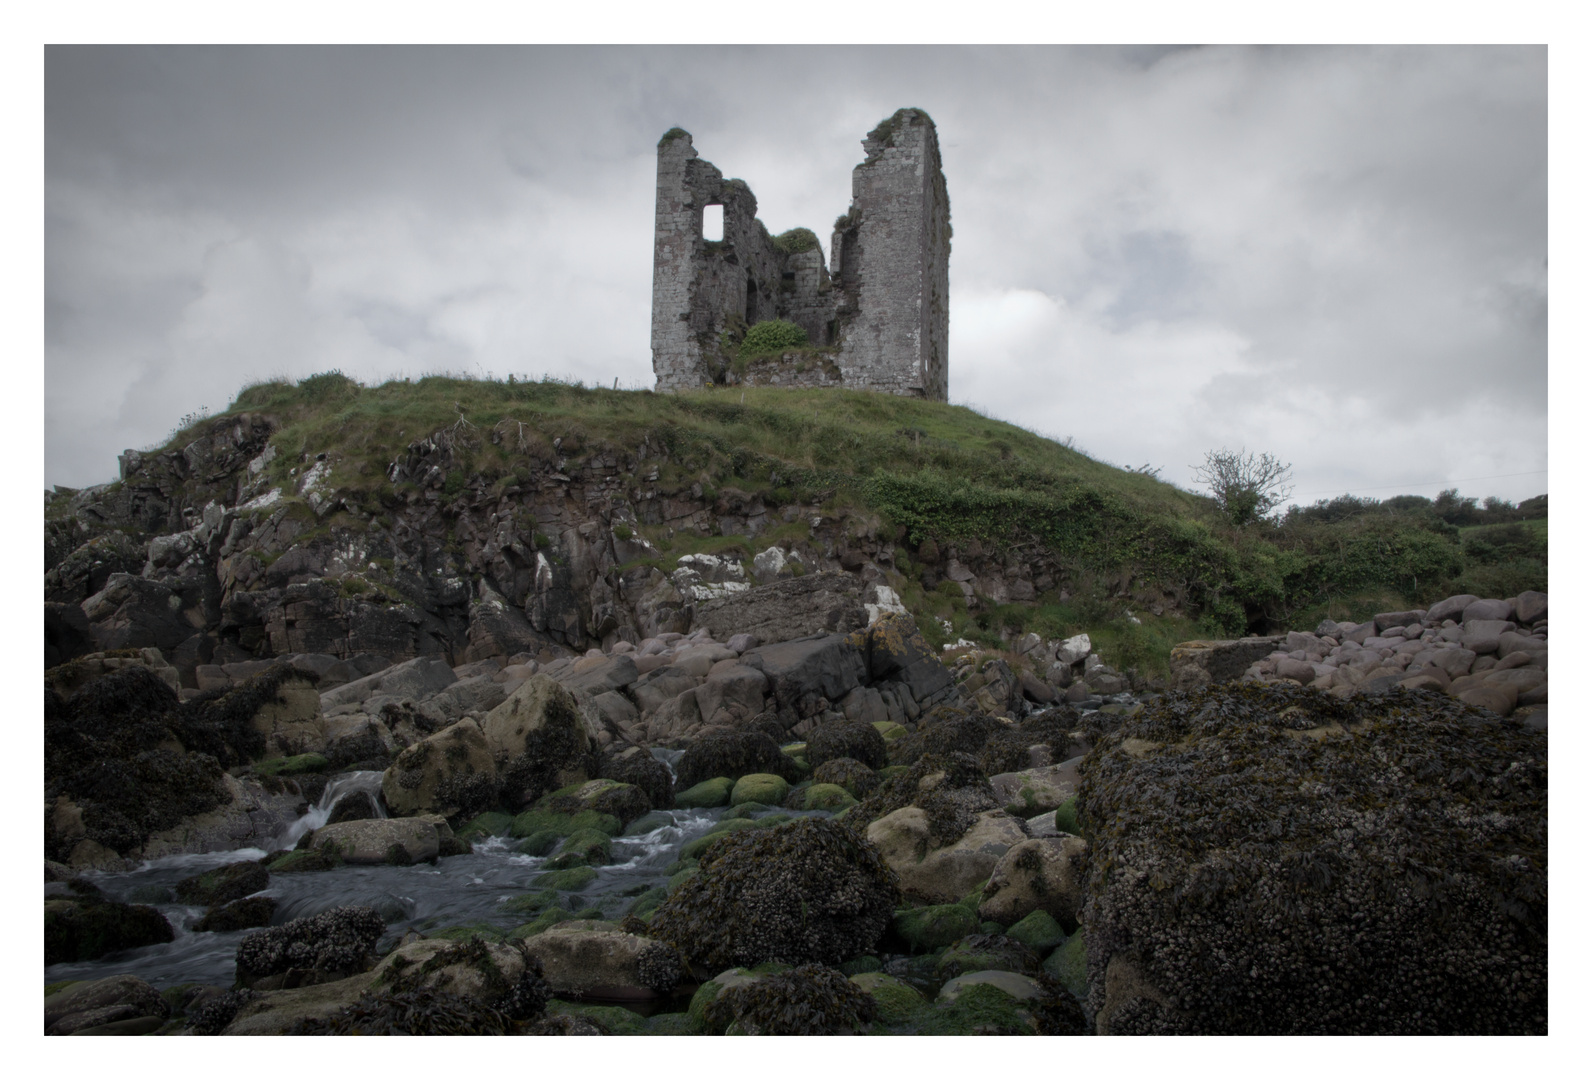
(491,823)
(623,802)
(925,929)
(223,884)
(986,952)
(296,765)
(1039,931)
(451,773)
(830,797)
(561,824)
(806,890)
(609,1019)
(551,917)
(1069,965)
(1067,816)
(584,847)
(238,915)
(308,860)
(87,927)
(572,880)
(763,788)
(1267,858)
(894,999)
(705,795)
(645,824)
(646,903)
(529,903)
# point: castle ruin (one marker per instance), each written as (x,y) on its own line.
(876,317)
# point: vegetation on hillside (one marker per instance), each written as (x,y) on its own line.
(935,474)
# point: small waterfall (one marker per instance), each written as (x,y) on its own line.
(367,781)
(669,758)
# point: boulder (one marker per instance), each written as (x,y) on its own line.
(1531,607)
(1010,983)
(1302,874)
(1488,611)
(224,884)
(1483,635)
(763,788)
(1389,619)
(736,690)
(88,926)
(1036,791)
(546,738)
(926,929)
(806,674)
(601,674)
(478,971)
(895,652)
(275,1012)
(943,874)
(450,772)
(1195,664)
(1452,608)
(100,1001)
(320,948)
(823,603)
(370,841)
(1037,875)
(607,964)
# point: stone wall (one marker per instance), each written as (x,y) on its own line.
(887,321)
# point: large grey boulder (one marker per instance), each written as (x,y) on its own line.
(1531,607)
(370,841)
(824,603)
(896,652)
(1452,608)
(1037,875)
(600,674)
(1034,791)
(943,873)
(578,959)
(805,674)
(736,690)
(434,774)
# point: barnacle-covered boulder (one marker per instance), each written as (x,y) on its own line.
(636,766)
(939,873)
(605,963)
(544,738)
(849,773)
(1271,859)
(732,753)
(320,948)
(451,772)
(806,1000)
(1036,875)
(807,890)
(847,739)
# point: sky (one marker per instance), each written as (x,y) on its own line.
(1334,255)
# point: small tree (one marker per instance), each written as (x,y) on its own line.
(1246,488)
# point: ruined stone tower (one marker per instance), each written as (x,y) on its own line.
(876,316)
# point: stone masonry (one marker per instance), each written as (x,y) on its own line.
(876,315)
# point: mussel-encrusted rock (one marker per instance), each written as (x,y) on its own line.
(808,890)
(1270,859)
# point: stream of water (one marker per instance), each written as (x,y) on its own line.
(460,889)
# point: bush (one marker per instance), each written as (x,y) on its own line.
(794,241)
(772,336)
(807,890)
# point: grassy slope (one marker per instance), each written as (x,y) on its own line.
(934,472)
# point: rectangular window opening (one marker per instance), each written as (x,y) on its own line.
(713,223)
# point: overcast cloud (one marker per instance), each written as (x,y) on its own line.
(1335,255)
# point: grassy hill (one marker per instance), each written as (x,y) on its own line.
(935,475)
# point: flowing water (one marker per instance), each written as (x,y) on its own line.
(456,890)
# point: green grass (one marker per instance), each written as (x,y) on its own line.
(923,473)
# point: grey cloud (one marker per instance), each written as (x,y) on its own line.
(1270,238)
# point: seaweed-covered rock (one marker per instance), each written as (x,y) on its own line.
(894,999)
(707,794)
(765,788)
(646,772)
(544,738)
(986,952)
(939,873)
(732,753)
(807,890)
(1038,930)
(849,773)
(610,963)
(626,802)
(1036,875)
(830,797)
(239,915)
(224,884)
(318,948)
(451,772)
(949,788)
(500,974)
(1271,859)
(102,1001)
(86,927)
(925,929)
(412,1012)
(807,1000)
(847,739)
(583,847)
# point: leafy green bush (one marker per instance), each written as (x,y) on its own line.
(795,241)
(772,336)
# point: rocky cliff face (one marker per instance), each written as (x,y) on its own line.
(211,554)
